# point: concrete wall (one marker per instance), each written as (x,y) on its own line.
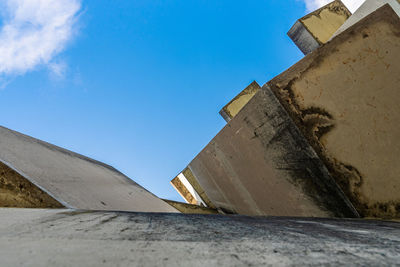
(345,99)
(71,179)
(260,164)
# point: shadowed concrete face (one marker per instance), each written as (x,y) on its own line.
(345,99)
(48,172)
(60,238)
(260,164)
(316,28)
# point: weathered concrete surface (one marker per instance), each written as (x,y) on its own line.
(67,238)
(345,99)
(260,164)
(73,180)
(198,196)
(235,105)
(17,191)
(196,186)
(183,191)
(190,209)
(316,28)
(365,9)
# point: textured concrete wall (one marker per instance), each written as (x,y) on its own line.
(345,98)
(68,238)
(72,179)
(260,164)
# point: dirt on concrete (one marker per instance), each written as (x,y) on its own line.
(18,192)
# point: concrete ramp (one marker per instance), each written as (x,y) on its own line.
(60,177)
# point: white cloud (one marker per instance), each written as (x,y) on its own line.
(33,32)
(352,5)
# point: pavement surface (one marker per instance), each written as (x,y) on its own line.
(101,238)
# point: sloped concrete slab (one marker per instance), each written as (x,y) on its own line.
(75,238)
(73,180)
(345,99)
(260,164)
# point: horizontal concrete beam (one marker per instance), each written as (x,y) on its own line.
(316,28)
(235,105)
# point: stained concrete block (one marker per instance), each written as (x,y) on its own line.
(260,164)
(184,191)
(345,99)
(76,238)
(190,208)
(38,174)
(235,105)
(365,9)
(197,196)
(316,28)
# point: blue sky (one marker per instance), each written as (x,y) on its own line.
(137,84)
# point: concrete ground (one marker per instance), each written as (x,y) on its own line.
(87,238)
